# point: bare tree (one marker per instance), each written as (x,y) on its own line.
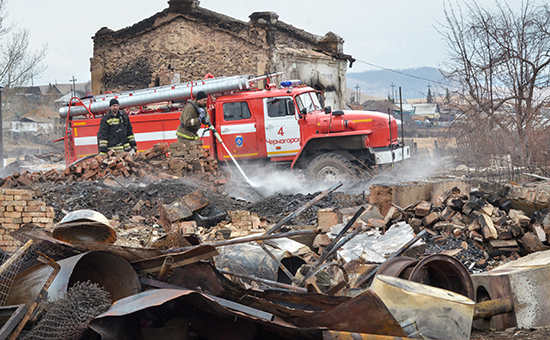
(18,63)
(498,66)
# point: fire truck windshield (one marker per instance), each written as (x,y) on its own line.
(309,101)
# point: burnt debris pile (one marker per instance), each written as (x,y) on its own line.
(163,160)
(174,257)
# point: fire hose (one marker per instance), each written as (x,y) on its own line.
(220,140)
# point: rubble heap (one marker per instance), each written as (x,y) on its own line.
(176,159)
(485,220)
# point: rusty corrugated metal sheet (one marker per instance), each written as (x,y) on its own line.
(365,313)
(285,304)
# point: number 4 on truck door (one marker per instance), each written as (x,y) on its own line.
(282,132)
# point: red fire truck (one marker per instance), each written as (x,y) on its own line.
(278,123)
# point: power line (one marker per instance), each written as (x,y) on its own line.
(399,72)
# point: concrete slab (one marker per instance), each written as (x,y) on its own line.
(525,281)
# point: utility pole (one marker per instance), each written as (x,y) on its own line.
(402,127)
(392,93)
(1,133)
(357,97)
(74,86)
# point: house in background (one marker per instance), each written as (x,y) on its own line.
(429,111)
(408,112)
(40,114)
(30,94)
(57,91)
(384,106)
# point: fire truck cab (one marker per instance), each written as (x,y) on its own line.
(286,123)
(290,125)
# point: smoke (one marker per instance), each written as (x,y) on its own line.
(278,181)
(413,169)
(268,180)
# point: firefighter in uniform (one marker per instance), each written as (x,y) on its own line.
(191,118)
(115,131)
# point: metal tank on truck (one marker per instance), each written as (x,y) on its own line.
(284,124)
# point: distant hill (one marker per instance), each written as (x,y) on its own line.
(378,83)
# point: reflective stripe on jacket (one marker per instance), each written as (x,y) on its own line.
(115,132)
(189,121)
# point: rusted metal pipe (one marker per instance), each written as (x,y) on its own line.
(486,309)
(247,239)
(332,246)
(100,267)
(251,259)
(536,176)
(265,281)
(168,261)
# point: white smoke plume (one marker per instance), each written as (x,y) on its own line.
(267,180)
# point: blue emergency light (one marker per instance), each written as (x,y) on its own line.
(289,83)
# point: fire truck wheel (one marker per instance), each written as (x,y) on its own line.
(330,167)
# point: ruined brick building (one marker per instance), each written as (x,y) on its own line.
(185,41)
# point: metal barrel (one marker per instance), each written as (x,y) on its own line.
(107,269)
(446,272)
(181,91)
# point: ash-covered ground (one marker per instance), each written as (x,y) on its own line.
(120,199)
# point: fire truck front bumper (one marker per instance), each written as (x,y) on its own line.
(387,155)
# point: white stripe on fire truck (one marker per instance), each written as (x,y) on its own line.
(163,135)
(81,141)
(239,128)
(153,136)
(140,137)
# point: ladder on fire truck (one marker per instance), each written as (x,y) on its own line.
(177,92)
(94,105)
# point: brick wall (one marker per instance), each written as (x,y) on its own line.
(17,208)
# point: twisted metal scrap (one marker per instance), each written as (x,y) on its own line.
(68,318)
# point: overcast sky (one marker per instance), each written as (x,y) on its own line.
(396,34)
